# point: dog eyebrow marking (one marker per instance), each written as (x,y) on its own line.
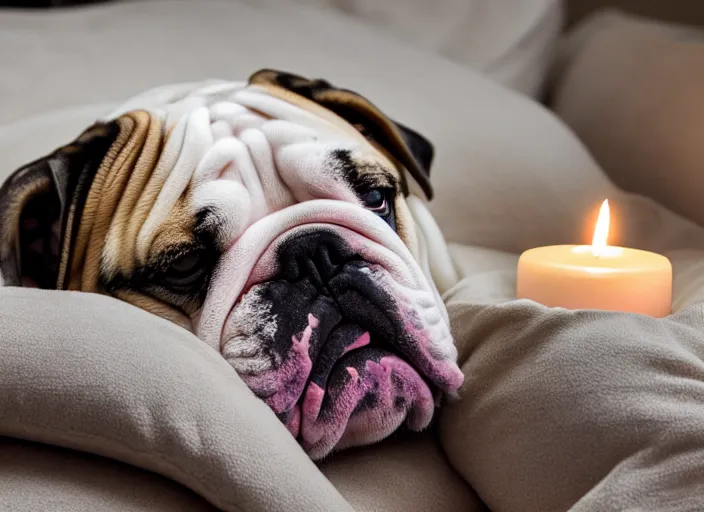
(362,175)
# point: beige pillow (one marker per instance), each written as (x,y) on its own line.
(578,410)
(91,373)
(37,477)
(510,42)
(631,89)
(407,473)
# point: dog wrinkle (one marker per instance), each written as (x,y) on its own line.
(172,146)
(120,244)
(197,139)
(80,267)
(112,193)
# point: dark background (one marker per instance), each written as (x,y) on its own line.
(33,4)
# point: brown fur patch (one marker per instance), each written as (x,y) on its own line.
(177,231)
(121,240)
(405,226)
(377,168)
(156,307)
(68,241)
(312,107)
(82,238)
(387,158)
(11,221)
(103,198)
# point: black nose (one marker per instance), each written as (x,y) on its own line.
(317,255)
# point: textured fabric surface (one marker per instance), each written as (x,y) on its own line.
(406,473)
(510,42)
(648,77)
(36,477)
(95,374)
(582,410)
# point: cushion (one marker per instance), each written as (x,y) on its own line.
(405,473)
(39,477)
(578,410)
(510,43)
(94,374)
(648,77)
(508,174)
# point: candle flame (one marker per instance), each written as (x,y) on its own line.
(601,231)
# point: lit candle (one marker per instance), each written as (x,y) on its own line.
(597,276)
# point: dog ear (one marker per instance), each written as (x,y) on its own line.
(38,208)
(406,146)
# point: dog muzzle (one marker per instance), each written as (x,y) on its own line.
(326,316)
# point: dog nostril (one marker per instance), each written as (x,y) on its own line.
(334,257)
(324,261)
(313,272)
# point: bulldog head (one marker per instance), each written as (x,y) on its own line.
(272,218)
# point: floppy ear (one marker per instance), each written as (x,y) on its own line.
(38,208)
(406,146)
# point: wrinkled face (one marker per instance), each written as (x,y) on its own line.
(280,237)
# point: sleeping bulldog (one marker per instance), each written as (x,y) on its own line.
(280,220)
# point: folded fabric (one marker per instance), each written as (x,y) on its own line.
(407,473)
(511,43)
(91,373)
(578,410)
(37,476)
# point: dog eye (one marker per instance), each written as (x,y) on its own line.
(186,263)
(185,271)
(376,200)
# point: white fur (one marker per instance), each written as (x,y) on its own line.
(440,267)
(231,203)
(276,193)
(266,170)
(252,329)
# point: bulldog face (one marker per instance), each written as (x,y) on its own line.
(270,219)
